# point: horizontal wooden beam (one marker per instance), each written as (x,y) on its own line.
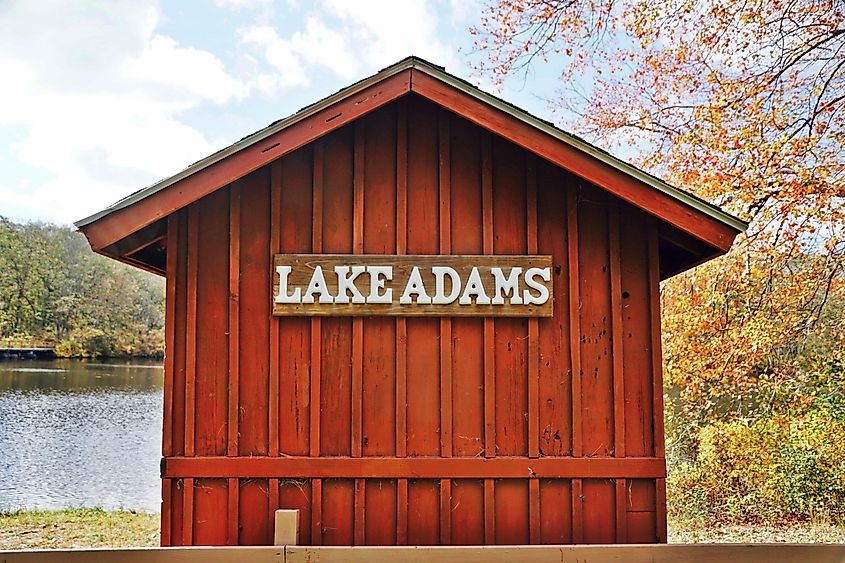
(635,192)
(139,239)
(679,553)
(122,222)
(415,467)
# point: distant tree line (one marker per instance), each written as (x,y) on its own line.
(55,291)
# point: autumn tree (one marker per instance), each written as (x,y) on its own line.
(54,290)
(740,102)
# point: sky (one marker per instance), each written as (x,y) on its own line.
(102,98)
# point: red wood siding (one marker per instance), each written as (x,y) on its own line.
(250,388)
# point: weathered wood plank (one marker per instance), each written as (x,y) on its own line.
(301,273)
(699,553)
(416,467)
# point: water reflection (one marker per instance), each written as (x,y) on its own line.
(77,433)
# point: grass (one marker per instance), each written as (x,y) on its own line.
(94,527)
(77,527)
(781,532)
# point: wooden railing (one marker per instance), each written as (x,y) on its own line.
(286,551)
(734,553)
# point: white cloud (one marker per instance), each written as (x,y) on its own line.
(387,30)
(279,54)
(320,45)
(100,95)
(96,94)
(350,39)
(238,4)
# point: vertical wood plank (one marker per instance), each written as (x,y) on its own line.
(166,513)
(660,498)
(169,369)
(191,326)
(510,236)
(273,393)
(534,530)
(234,345)
(294,495)
(337,217)
(656,347)
(180,343)
(445,193)
(616,333)
(489,512)
(316,328)
(316,340)
(489,326)
(621,512)
(357,322)
(358,330)
(577,511)
(273,382)
(467,334)
(401,326)
(617,339)
(575,353)
(295,231)
(533,327)
(378,412)
(599,514)
(232,509)
(360,511)
(273,499)
(316,512)
(657,374)
(234,319)
(169,332)
(212,364)
(250,205)
(402,512)
(423,348)
(188,511)
(254,527)
(556,511)
(574,320)
(555,371)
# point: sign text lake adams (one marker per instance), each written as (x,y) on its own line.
(392,285)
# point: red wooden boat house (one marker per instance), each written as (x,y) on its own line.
(418,315)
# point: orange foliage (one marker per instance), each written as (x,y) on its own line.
(742,103)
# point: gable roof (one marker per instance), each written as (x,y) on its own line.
(131,222)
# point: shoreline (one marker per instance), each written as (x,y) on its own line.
(95,527)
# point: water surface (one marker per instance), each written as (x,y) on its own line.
(80,433)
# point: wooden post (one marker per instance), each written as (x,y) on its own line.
(286,530)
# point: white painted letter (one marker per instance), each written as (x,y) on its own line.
(282,296)
(440,297)
(530,274)
(317,285)
(376,284)
(346,283)
(474,287)
(505,285)
(415,285)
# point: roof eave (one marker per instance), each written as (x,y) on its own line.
(420,65)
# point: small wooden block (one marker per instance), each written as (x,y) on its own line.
(287,527)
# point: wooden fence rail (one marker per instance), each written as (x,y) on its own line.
(704,553)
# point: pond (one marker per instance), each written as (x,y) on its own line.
(80,433)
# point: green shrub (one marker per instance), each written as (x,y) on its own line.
(772,468)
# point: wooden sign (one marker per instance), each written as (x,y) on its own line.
(440,286)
